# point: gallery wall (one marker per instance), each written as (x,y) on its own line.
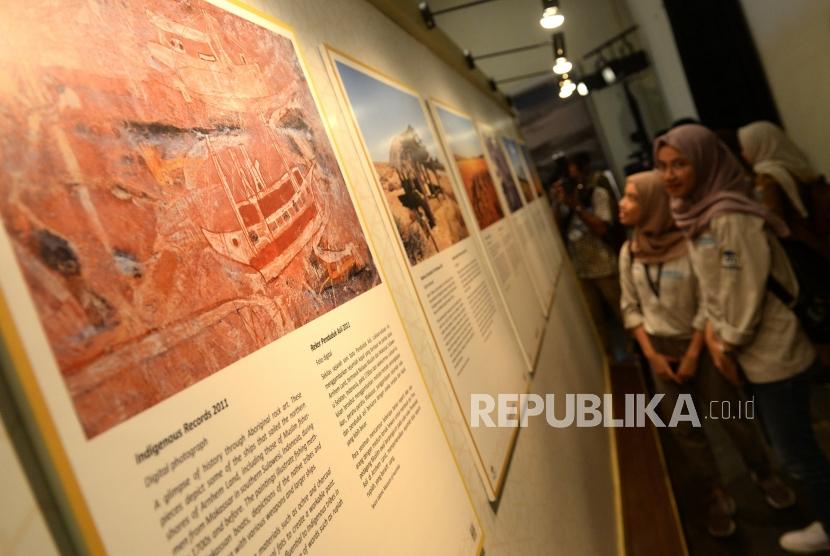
(791,66)
(657,36)
(796,69)
(559,495)
(559,491)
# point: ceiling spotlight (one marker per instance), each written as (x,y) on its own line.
(427,15)
(551,18)
(608,75)
(562,66)
(582,89)
(470,59)
(558,44)
(566,87)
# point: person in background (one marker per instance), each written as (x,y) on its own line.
(560,170)
(750,333)
(783,183)
(787,185)
(586,215)
(661,307)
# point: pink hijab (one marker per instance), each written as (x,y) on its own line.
(656,237)
(721,183)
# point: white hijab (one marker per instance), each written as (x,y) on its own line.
(771,152)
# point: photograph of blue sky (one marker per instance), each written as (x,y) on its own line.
(527,159)
(461,134)
(383,111)
(515,158)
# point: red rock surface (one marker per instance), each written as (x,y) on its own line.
(478,184)
(116,156)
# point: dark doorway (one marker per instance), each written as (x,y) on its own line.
(721,62)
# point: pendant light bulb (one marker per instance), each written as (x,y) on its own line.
(551,18)
(566,87)
(562,66)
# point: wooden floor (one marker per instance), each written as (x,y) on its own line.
(654,525)
(650,518)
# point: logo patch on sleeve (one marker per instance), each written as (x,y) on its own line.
(704,240)
(729,259)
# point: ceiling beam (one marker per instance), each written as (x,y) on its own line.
(408,16)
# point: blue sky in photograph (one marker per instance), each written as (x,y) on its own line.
(461,134)
(383,112)
(515,158)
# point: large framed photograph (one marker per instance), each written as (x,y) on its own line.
(170,195)
(207,357)
(406,159)
(416,188)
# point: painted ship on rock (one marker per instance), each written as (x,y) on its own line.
(275,220)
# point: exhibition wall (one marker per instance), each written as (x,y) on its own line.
(555,491)
(656,32)
(790,66)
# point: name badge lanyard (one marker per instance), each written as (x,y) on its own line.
(654,284)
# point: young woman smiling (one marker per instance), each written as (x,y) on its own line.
(661,306)
(733,249)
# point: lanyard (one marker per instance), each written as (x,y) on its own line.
(655,286)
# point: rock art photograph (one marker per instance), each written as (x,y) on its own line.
(404,153)
(170,193)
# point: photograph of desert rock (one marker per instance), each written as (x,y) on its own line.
(468,155)
(404,154)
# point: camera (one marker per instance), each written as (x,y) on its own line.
(569,185)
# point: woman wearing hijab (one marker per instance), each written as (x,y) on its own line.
(783,177)
(733,248)
(660,305)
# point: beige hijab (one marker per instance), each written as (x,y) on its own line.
(721,183)
(656,237)
(768,149)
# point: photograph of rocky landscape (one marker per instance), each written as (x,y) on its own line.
(516,159)
(170,193)
(502,171)
(405,157)
(467,152)
(534,175)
